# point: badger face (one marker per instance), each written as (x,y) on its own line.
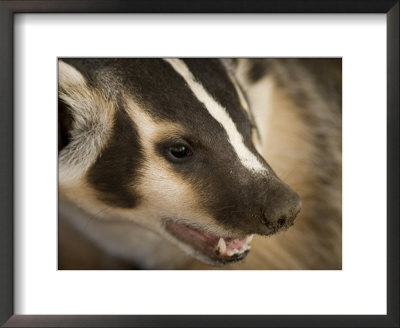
(167,144)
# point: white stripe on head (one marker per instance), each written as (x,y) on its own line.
(219,113)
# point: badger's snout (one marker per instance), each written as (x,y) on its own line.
(256,204)
(280,207)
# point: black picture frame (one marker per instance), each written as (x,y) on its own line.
(7,11)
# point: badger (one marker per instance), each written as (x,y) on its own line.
(168,163)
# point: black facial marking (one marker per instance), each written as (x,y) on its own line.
(115,170)
(65,121)
(257,70)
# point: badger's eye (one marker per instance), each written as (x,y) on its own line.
(179,151)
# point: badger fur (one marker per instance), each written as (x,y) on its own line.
(178,163)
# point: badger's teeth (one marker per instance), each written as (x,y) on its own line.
(221,245)
(249,239)
(234,251)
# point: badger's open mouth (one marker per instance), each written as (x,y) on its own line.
(217,249)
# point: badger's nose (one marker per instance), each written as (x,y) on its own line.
(281,208)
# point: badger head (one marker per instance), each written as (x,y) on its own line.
(167,144)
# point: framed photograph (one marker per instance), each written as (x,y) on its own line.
(199,164)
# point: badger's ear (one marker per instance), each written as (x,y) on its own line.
(71,89)
(69,77)
(230,63)
(84,113)
(85,121)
